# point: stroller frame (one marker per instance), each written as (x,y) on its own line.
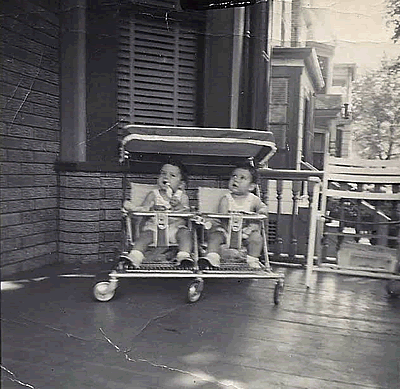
(215,148)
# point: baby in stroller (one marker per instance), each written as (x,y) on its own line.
(239,199)
(169,195)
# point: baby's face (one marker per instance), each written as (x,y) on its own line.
(240,182)
(170,176)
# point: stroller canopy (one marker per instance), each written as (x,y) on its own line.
(197,145)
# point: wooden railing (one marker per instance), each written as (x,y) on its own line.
(305,227)
(293,198)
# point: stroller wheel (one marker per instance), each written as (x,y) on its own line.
(278,290)
(103,291)
(194,290)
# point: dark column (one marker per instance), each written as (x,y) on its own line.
(101,81)
(73,80)
(255,81)
(259,64)
(218,68)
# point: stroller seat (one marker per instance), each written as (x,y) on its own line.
(233,253)
(161,251)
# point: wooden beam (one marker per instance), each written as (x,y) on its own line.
(362,195)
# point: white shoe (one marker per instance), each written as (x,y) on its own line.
(184,260)
(136,257)
(253,262)
(211,260)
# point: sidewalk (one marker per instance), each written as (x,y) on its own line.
(342,333)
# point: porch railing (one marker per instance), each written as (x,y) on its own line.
(293,198)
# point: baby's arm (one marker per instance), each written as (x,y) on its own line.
(223,206)
(146,205)
(261,208)
(181,204)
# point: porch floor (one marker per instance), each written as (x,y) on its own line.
(343,332)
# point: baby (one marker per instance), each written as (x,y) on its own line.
(239,199)
(169,196)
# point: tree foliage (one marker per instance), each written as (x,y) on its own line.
(393,8)
(376,113)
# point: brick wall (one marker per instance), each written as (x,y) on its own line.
(90,216)
(30,134)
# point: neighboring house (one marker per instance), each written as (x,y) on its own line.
(296,76)
(310,94)
(343,76)
(306,110)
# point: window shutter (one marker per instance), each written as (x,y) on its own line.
(158,70)
(279,106)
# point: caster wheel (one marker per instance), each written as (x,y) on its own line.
(103,291)
(194,290)
(278,290)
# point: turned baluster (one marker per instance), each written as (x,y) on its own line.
(279,240)
(296,187)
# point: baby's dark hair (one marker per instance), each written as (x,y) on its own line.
(253,171)
(175,162)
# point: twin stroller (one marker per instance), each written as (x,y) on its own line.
(207,152)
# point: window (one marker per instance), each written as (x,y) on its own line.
(279,110)
(319,150)
(308,131)
(323,64)
(158,70)
(319,142)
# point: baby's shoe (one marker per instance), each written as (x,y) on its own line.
(253,262)
(134,258)
(184,260)
(210,261)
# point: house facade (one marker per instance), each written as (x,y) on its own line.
(74,73)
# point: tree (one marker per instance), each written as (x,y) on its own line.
(393,10)
(376,112)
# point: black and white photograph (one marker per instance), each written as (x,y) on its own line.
(200,194)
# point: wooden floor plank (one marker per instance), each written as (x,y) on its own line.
(343,332)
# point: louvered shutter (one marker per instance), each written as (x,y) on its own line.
(279,106)
(158,70)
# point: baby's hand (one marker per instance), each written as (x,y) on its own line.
(176,199)
(175,202)
(128,206)
(263,211)
(159,208)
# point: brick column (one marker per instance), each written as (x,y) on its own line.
(79,221)
(90,217)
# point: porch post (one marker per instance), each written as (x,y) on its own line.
(259,54)
(73,80)
(315,183)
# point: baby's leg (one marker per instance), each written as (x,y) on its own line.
(254,249)
(136,255)
(213,257)
(254,244)
(184,239)
(143,241)
(215,240)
